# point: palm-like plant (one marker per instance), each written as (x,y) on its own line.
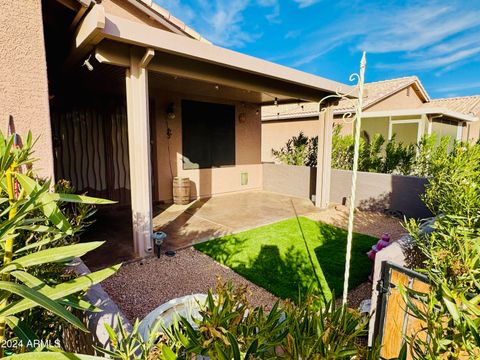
(31,233)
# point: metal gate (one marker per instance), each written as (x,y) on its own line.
(393,323)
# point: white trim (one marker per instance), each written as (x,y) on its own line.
(406,121)
(390,128)
(430,126)
(383,113)
(459,131)
(419,123)
(420,111)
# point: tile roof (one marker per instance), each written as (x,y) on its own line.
(379,90)
(374,93)
(468,105)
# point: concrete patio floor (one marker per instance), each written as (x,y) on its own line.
(205,219)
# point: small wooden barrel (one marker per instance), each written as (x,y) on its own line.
(181,190)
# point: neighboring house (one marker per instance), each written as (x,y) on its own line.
(124,97)
(397,106)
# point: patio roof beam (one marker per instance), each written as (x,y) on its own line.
(147,57)
(114,53)
(231,65)
(87,35)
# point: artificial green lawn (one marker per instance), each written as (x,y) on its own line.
(288,256)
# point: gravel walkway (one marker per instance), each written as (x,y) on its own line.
(138,289)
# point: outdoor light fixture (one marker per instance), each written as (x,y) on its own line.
(217,87)
(241,118)
(87,64)
(275,102)
(171,111)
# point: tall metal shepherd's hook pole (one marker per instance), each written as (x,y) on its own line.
(358,121)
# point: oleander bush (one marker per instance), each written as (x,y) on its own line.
(451,260)
(38,238)
(376,153)
(229,328)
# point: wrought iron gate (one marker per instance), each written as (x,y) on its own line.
(393,323)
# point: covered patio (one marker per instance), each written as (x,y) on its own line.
(201,220)
(153,75)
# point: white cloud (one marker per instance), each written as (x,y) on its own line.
(433,63)
(178,9)
(424,35)
(220,21)
(292,34)
(274,16)
(459,87)
(306,3)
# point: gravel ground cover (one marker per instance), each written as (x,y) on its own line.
(140,287)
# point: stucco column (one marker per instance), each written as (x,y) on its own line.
(324,158)
(139,153)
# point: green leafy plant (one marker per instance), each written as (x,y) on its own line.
(342,149)
(126,345)
(31,233)
(450,312)
(229,328)
(299,150)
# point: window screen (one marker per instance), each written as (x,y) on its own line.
(208,135)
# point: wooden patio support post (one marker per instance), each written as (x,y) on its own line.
(324,158)
(139,152)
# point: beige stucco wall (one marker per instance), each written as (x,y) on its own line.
(375,126)
(445,129)
(471,132)
(276,133)
(23,76)
(404,99)
(206,182)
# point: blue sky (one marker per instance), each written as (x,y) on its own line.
(439,41)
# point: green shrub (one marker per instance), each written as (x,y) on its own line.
(229,328)
(342,150)
(451,253)
(299,150)
(35,251)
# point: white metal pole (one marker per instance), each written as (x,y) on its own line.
(358,120)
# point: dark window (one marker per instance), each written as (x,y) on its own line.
(208,135)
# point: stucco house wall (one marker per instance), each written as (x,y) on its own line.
(375,126)
(471,131)
(275,134)
(23,77)
(214,181)
(404,99)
